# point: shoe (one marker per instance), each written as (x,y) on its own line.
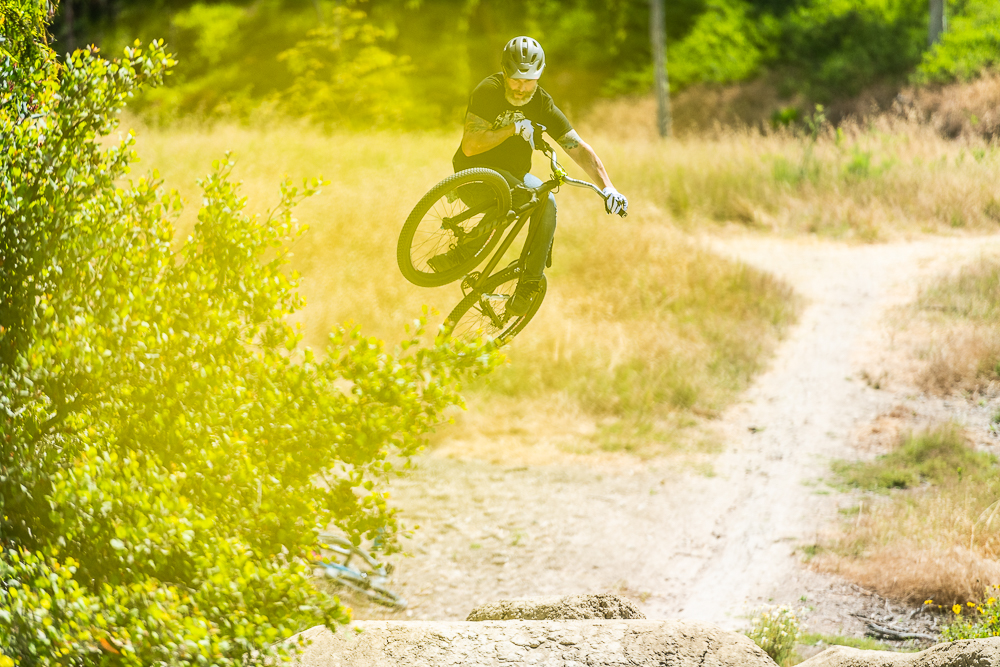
(449,260)
(519,196)
(523,297)
(472,243)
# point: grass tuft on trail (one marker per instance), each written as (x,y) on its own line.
(939,456)
(964,311)
(973,294)
(932,531)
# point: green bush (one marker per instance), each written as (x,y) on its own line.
(341,76)
(835,48)
(727,44)
(970,45)
(326,63)
(167,452)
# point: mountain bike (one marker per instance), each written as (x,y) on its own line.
(455,227)
(365,576)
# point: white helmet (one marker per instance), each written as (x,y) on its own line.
(523,58)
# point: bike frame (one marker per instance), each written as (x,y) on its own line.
(559,177)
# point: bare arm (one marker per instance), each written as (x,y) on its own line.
(477,137)
(584,155)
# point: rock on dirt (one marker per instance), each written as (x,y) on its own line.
(553,643)
(966,653)
(570,607)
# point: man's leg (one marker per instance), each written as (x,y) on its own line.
(541,230)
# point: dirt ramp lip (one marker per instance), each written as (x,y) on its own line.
(572,607)
(555,643)
(965,653)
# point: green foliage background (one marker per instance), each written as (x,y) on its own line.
(168,453)
(411,63)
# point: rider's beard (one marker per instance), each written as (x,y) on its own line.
(511,96)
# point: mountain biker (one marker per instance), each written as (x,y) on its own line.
(499,135)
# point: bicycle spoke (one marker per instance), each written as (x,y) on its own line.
(488,317)
(453,227)
(433,235)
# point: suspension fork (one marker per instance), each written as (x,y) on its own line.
(523,215)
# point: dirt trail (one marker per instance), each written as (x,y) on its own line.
(683,543)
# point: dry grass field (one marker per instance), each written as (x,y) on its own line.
(880,180)
(642,330)
(640,322)
(965,310)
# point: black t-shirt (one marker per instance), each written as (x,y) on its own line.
(489,103)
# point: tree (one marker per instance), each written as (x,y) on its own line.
(167,452)
(658,40)
(936,23)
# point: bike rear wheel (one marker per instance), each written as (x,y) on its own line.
(482,313)
(453,227)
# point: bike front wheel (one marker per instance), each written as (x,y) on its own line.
(453,227)
(360,582)
(482,314)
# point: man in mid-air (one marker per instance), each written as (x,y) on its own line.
(499,135)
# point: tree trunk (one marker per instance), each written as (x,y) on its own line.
(658,39)
(937,22)
(68,25)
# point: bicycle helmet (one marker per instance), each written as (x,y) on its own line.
(523,58)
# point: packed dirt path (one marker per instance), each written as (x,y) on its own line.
(685,541)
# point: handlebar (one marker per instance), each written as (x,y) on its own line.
(558,173)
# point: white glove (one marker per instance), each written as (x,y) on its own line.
(524,129)
(615,202)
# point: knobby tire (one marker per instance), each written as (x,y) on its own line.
(468,321)
(412,256)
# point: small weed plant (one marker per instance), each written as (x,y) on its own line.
(975,620)
(775,629)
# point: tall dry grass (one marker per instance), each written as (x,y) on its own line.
(640,325)
(889,177)
(937,537)
(962,312)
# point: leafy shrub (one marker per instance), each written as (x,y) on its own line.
(975,620)
(970,45)
(725,45)
(775,629)
(341,76)
(167,453)
(332,68)
(939,456)
(834,48)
